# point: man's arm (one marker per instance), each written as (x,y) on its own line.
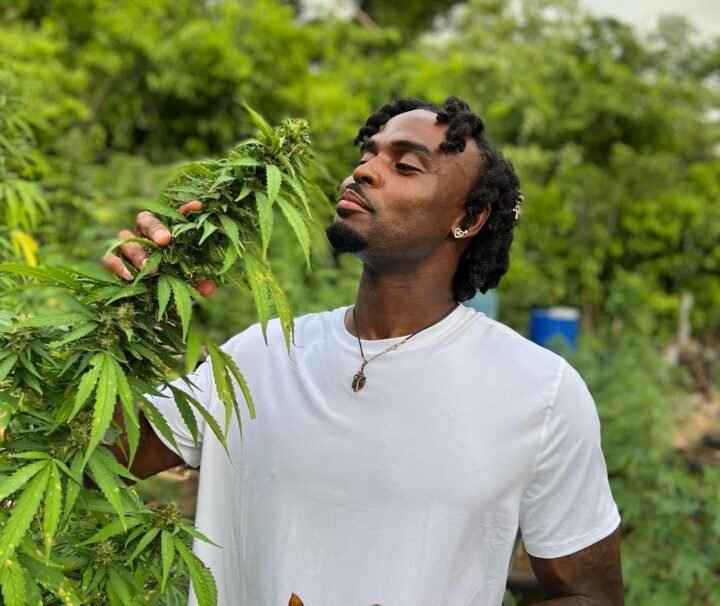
(592,576)
(152,455)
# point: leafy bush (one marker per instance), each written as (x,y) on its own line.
(670,510)
(65,375)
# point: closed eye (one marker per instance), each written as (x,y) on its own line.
(406,168)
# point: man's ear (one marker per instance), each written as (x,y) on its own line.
(477,223)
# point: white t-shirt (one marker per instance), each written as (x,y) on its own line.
(409,492)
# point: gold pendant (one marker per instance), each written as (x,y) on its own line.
(358,381)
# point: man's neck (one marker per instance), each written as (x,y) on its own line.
(399,303)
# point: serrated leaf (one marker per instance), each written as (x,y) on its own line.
(244,193)
(286,163)
(30,454)
(229,260)
(151,264)
(193,349)
(87,384)
(181,229)
(163,294)
(232,232)
(7,365)
(13,585)
(223,386)
(282,307)
(51,513)
(134,534)
(243,161)
(47,275)
(48,320)
(208,229)
(256,277)
(27,364)
(129,290)
(72,487)
(209,419)
(112,529)
(167,555)
(119,587)
(22,515)
(273,178)
(54,581)
(105,400)
(196,534)
(130,418)
(143,543)
(202,579)
(162,210)
(296,221)
(32,593)
(259,121)
(182,296)
(265,219)
(299,192)
(107,482)
(12,483)
(83,330)
(186,412)
(113,466)
(240,379)
(158,422)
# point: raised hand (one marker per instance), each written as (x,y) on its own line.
(149,226)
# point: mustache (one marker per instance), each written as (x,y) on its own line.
(357,190)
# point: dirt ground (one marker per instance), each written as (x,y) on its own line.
(696,430)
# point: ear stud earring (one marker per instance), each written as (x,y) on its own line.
(518,206)
(459,233)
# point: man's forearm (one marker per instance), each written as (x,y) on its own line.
(152,455)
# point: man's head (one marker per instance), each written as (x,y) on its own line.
(424,171)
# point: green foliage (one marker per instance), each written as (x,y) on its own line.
(613,132)
(65,375)
(670,509)
(22,201)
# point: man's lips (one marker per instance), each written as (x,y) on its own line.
(353,201)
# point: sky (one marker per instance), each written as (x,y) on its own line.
(703,14)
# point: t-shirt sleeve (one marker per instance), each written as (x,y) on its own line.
(568,505)
(202,389)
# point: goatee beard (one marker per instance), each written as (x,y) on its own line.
(344,239)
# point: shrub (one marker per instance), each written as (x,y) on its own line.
(64,376)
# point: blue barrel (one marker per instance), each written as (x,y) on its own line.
(552,324)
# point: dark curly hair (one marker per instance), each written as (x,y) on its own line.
(488,256)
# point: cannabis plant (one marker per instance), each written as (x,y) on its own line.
(65,375)
(21,200)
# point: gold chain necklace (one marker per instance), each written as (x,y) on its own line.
(360,379)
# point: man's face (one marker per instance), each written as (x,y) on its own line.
(405,196)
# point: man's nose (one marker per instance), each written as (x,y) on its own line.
(366,174)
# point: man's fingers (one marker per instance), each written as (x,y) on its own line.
(191,207)
(150,226)
(133,251)
(115,265)
(205,287)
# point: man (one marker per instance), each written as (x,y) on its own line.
(405,440)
